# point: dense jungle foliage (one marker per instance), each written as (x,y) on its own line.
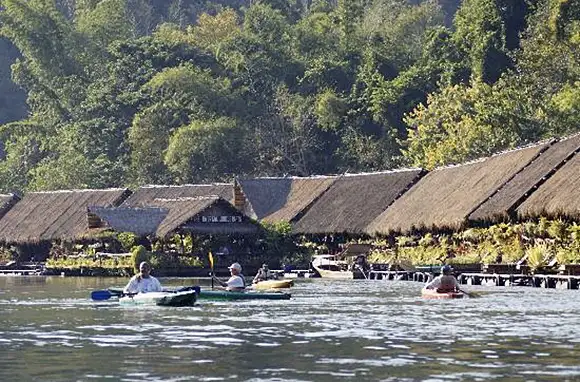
(129,92)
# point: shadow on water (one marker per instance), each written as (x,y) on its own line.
(329,330)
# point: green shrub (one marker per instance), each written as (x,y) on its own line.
(404,241)
(489,252)
(127,240)
(381,256)
(529,229)
(468,258)
(426,240)
(473,235)
(557,230)
(542,228)
(513,251)
(574,231)
(138,255)
(568,255)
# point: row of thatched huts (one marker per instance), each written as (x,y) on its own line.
(534,181)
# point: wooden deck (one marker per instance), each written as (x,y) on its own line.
(559,281)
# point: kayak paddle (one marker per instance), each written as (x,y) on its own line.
(101,295)
(210,256)
(470,294)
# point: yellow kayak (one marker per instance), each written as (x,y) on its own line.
(273,284)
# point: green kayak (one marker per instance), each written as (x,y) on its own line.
(226,295)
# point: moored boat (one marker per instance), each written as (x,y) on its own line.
(229,295)
(183,298)
(273,284)
(329,266)
(433,294)
(351,263)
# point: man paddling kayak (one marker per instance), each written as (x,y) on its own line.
(236,283)
(143,282)
(263,274)
(445,282)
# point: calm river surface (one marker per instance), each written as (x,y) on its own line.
(329,331)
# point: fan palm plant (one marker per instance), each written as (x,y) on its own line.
(537,256)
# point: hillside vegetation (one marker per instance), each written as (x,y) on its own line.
(129,92)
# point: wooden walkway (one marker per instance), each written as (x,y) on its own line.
(488,279)
(294,273)
(21,272)
(538,281)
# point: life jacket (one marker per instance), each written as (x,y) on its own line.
(263,275)
(446,284)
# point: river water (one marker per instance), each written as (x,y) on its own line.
(329,331)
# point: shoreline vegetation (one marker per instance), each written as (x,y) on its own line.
(544,246)
(541,246)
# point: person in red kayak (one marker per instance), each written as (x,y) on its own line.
(236,283)
(143,282)
(445,282)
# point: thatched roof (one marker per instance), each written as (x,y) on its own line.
(140,221)
(7,201)
(143,196)
(41,216)
(559,196)
(502,205)
(446,196)
(198,215)
(355,200)
(281,199)
(195,215)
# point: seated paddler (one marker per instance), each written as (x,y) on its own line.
(143,282)
(445,282)
(236,282)
(263,274)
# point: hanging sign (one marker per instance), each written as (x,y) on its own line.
(221,219)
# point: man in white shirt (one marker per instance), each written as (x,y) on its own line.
(445,282)
(143,282)
(236,282)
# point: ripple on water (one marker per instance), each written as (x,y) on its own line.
(363,330)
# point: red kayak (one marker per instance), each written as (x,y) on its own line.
(433,294)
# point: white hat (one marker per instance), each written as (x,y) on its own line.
(236,266)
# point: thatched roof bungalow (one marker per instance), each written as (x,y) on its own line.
(353,201)
(558,197)
(143,196)
(140,221)
(279,199)
(54,215)
(7,201)
(197,215)
(501,206)
(444,198)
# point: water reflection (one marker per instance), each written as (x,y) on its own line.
(353,330)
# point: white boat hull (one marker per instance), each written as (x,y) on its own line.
(160,298)
(343,275)
(328,266)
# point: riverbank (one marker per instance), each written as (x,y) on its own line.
(471,275)
(127,272)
